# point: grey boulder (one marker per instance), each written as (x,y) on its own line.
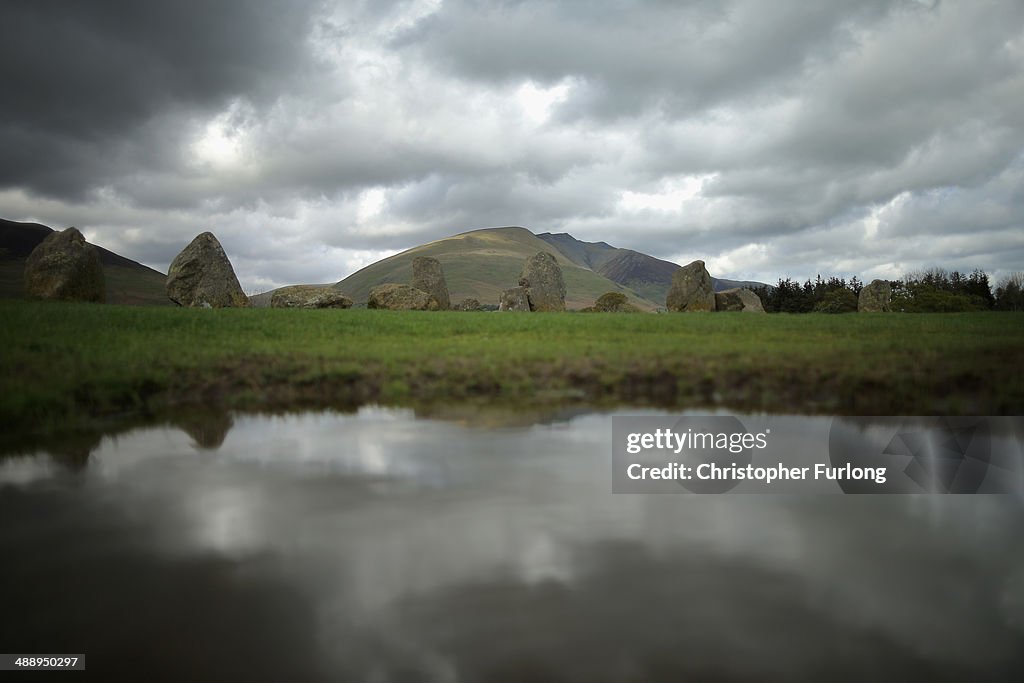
(65,267)
(691,290)
(395,297)
(514,299)
(469,304)
(201,276)
(739,299)
(309,296)
(875,298)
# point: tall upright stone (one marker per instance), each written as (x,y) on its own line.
(201,276)
(691,290)
(428,276)
(65,267)
(514,299)
(875,298)
(544,284)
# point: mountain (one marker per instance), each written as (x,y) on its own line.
(128,282)
(590,255)
(649,277)
(482,263)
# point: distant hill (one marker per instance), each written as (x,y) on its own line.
(649,277)
(128,282)
(482,263)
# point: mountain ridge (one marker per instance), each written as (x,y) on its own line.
(648,276)
(481,263)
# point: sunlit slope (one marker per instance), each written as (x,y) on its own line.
(482,263)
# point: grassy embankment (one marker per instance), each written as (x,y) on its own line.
(64,364)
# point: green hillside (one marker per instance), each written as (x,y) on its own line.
(128,282)
(482,263)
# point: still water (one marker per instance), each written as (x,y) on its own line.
(382,546)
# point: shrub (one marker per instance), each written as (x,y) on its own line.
(613,302)
(837,301)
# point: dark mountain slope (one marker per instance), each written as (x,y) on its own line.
(128,282)
(647,276)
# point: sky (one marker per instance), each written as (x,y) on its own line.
(770,139)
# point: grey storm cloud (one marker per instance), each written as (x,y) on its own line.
(88,88)
(637,54)
(771,139)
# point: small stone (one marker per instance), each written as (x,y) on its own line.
(469,304)
(739,299)
(396,297)
(309,296)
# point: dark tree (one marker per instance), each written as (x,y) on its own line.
(1010,293)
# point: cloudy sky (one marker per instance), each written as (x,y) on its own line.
(769,138)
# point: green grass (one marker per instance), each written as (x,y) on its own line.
(64,364)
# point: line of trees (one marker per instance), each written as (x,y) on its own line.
(1010,293)
(931,291)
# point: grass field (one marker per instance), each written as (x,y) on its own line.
(66,364)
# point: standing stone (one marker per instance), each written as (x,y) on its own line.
(545,286)
(65,267)
(691,290)
(309,296)
(875,298)
(739,299)
(428,276)
(469,304)
(400,298)
(201,276)
(514,299)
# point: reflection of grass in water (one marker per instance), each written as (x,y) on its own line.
(63,362)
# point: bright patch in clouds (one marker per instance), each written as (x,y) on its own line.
(537,102)
(750,258)
(220,145)
(669,199)
(371,202)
